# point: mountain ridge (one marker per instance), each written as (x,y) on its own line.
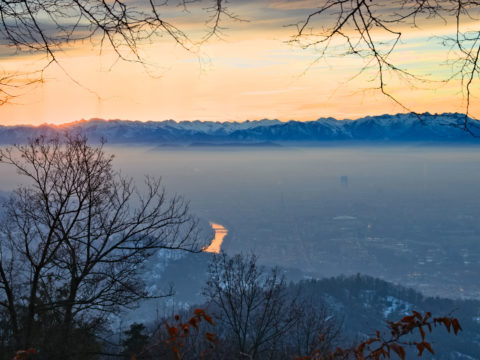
(446,127)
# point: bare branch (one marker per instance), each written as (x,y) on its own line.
(372,30)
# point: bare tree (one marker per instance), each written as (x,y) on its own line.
(74,237)
(373,29)
(316,328)
(251,304)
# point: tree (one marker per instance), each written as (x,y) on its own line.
(394,343)
(316,329)
(73,239)
(252,305)
(373,29)
(136,341)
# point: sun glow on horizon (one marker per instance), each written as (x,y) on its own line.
(251,74)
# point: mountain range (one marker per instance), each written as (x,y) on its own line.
(446,127)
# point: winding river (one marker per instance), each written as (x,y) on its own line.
(216,244)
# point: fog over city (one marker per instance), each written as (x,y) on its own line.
(406,214)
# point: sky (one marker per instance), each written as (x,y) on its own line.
(250,72)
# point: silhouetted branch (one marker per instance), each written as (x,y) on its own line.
(372,30)
(48,26)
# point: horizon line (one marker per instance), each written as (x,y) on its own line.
(75,122)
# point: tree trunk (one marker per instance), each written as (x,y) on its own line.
(11,308)
(27,341)
(68,320)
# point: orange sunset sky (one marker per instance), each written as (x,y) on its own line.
(252,72)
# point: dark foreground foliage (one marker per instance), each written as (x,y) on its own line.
(247,323)
(181,341)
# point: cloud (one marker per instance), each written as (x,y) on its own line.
(293,4)
(273,92)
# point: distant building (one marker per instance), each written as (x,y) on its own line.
(344,181)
